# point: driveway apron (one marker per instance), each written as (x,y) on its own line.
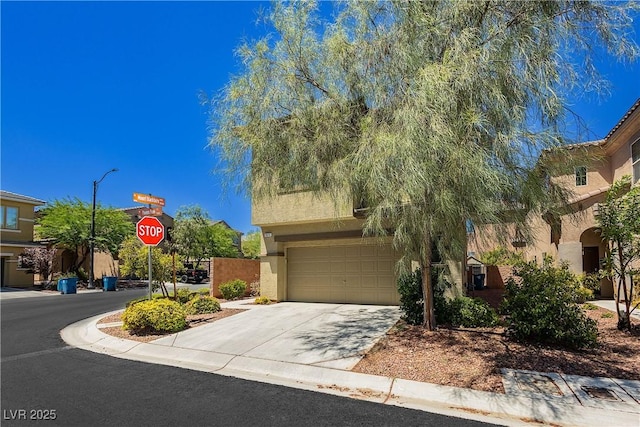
(328,335)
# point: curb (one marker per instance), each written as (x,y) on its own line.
(475,405)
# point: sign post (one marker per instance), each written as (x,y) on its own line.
(150,231)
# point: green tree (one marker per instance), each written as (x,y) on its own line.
(431,113)
(251,244)
(219,241)
(195,237)
(134,257)
(619,221)
(68,223)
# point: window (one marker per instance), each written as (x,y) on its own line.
(9,218)
(581,176)
(635,160)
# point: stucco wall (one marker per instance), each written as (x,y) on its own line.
(571,252)
(272,277)
(300,207)
(103,265)
(11,244)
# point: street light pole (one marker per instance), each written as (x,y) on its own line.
(92,238)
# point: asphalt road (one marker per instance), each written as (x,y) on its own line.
(45,382)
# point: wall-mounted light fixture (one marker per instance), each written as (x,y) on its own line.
(268,234)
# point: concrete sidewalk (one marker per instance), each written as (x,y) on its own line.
(302,347)
(610,304)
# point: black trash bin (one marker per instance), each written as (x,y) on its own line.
(478,281)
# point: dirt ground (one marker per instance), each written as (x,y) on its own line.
(472,358)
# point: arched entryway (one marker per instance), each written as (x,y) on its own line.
(593,251)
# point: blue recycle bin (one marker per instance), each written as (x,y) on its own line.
(68,285)
(109,283)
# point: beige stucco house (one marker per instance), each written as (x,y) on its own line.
(313,250)
(576,238)
(16,234)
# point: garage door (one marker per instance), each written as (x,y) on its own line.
(358,274)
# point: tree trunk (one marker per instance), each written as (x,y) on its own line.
(429,321)
(624,323)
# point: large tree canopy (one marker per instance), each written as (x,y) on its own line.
(431,113)
(68,223)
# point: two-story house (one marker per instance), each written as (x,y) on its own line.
(576,238)
(16,234)
(313,251)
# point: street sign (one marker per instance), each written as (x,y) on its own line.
(148,199)
(150,231)
(149,212)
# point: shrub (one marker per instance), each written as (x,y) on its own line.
(141,299)
(82,275)
(262,300)
(157,315)
(589,306)
(183,296)
(583,294)
(541,307)
(233,289)
(471,313)
(411,302)
(202,304)
(590,281)
(204,291)
(606,315)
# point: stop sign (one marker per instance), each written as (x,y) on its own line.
(150,230)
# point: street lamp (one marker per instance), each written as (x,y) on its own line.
(93,227)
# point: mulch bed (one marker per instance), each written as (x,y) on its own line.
(472,358)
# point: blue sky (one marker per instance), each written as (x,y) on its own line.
(91,86)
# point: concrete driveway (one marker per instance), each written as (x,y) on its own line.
(326,335)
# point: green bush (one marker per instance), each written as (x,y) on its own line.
(233,289)
(471,313)
(411,302)
(606,315)
(541,307)
(202,304)
(141,299)
(157,315)
(589,306)
(583,294)
(82,275)
(590,281)
(204,291)
(262,300)
(183,296)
